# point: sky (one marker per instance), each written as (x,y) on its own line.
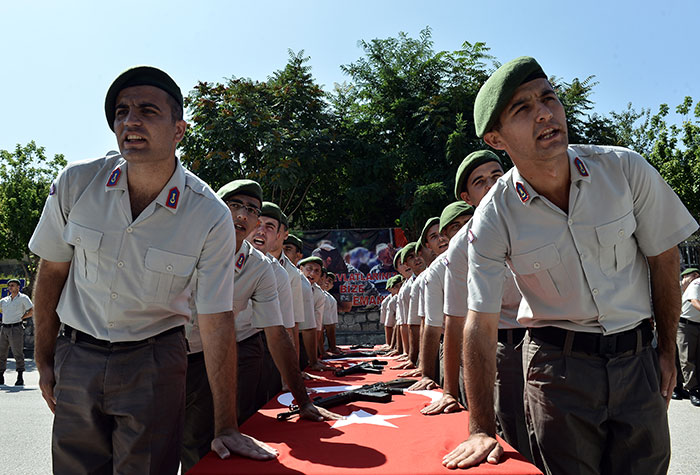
(57,59)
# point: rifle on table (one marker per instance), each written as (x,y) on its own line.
(356,354)
(374,366)
(377,392)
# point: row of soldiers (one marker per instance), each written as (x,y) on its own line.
(280,300)
(424,316)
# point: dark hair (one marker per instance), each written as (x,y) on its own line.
(175,108)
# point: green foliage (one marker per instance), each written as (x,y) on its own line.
(428,201)
(25,177)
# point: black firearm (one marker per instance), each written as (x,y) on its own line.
(356,354)
(374,366)
(377,392)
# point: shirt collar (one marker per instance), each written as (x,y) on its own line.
(116,180)
(169,196)
(579,169)
(522,188)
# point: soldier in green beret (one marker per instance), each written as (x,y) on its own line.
(585,230)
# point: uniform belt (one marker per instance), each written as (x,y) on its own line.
(595,343)
(511,336)
(78,336)
(11,324)
(688,322)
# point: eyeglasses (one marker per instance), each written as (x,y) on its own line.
(236,205)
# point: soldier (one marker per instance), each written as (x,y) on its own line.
(15,309)
(591,235)
(118,265)
(330,314)
(688,337)
(256,309)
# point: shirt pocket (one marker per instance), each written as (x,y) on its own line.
(167,274)
(542,271)
(86,244)
(617,244)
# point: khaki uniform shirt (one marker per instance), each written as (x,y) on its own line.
(414,300)
(284,292)
(403,301)
(12,309)
(692,292)
(434,290)
(383,309)
(584,270)
(319,305)
(391,311)
(131,279)
(295,284)
(309,322)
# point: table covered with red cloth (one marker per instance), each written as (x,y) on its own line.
(376,438)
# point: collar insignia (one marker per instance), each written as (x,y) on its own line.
(114,177)
(580,167)
(240,261)
(522,192)
(52,190)
(173,196)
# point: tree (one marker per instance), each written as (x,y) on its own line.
(25,177)
(279,133)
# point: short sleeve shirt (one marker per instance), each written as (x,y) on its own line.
(434,289)
(131,279)
(295,284)
(319,305)
(456,261)
(309,322)
(383,310)
(414,300)
(692,292)
(12,309)
(585,269)
(328,309)
(403,301)
(284,292)
(391,312)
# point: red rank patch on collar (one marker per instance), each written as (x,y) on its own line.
(580,167)
(240,261)
(173,197)
(52,190)
(522,192)
(471,237)
(114,177)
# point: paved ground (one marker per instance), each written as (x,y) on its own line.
(25,429)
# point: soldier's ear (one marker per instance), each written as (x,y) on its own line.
(494,140)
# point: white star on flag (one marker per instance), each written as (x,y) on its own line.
(364,417)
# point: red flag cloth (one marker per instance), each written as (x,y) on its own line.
(376,438)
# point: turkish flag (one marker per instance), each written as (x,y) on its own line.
(375,438)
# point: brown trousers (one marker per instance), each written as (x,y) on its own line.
(12,337)
(593,414)
(119,409)
(688,340)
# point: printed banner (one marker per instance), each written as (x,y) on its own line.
(361,259)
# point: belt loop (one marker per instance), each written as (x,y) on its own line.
(152,340)
(73,335)
(509,336)
(638,347)
(568,342)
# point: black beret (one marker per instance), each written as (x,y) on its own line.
(294,241)
(497,91)
(311,260)
(285,219)
(139,76)
(454,210)
(428,224)
(271,210)
(240,187)
(468,165)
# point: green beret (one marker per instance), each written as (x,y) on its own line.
(497,91)
(468,165)
(240,187)
(139,76)
(331,275)
(453,211)
(397,256)
(428,224)
(390,282)
(16,281)
(271,210)
(285,219)
(690,270)
(294,241)
(311,260)
(407,249)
